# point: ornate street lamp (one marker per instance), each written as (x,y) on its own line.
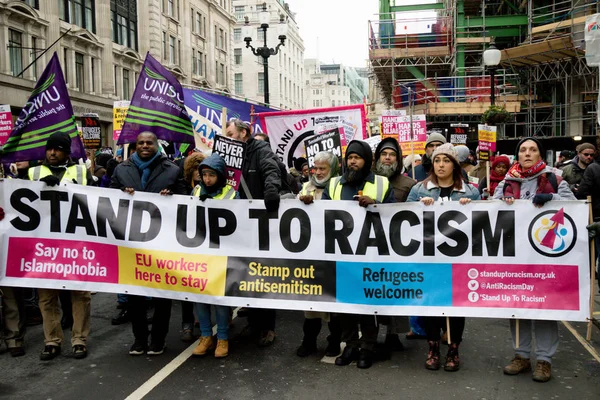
(265,52)
(491,59)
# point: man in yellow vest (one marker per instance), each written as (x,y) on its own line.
(358,183)
(60,168)
(325,168)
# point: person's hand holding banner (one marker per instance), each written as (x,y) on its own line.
(1,213)
(50,180)
(307,199)
(272,201)
(540,199)
(593,229)
(364,201)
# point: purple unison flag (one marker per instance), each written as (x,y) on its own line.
(48,110)
(157,107)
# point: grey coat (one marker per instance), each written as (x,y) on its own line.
(529,188)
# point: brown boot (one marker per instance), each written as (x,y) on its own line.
(452,360)
(433,357)
(543,371)
(222,349)
(206,344)
(517,365)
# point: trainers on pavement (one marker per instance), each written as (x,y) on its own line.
(156,349)
(517,365)
(137,349)
(543,371)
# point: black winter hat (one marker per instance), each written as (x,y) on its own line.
(59,141)
(539,145)
(388,143)
(362,149)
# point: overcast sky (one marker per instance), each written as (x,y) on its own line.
(338,26)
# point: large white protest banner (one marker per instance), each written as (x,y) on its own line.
(288,130)
(484,259)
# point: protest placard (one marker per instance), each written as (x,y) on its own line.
(288,130)
(458,133)
(119,112)
(232,152)
(6,123)
(91,131)
(487,141)
(326,141)
(489,259)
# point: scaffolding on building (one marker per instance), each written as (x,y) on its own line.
(435,52)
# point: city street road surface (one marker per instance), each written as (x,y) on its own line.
(109,372)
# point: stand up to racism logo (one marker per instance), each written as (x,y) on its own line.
(552,233)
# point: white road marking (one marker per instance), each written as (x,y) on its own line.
(168,369)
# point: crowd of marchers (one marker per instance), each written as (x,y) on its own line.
(444,173)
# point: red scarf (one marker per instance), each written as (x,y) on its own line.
(516,171)
(513,188)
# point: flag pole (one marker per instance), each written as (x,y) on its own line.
(593,276)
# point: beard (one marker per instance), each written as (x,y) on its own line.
(320,183)
(353,176)
(385,170)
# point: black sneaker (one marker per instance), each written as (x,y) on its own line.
(121,318)
(50,352)
(156,349)
(137,349)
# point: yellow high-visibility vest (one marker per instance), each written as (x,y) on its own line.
(77,172)
(304,191)
(375,190)
(227,193)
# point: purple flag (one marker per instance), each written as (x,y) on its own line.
(157,107)
(48,110)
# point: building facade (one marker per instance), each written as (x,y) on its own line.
(286,69)
(102,45)
(331,85)
(322,88)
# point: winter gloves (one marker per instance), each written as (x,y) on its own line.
(541,199)
(593,229)
(272,201)
(50,180)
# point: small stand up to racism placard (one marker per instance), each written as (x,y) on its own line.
(232,152)
(326,141)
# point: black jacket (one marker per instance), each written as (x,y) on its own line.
(165,175)
(422,171)
(260,171)
(590,186)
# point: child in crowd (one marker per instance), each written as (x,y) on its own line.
(213,185)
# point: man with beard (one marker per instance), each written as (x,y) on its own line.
(387,154)
(326,167)
(434,140)
(360,184)
(573,171)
